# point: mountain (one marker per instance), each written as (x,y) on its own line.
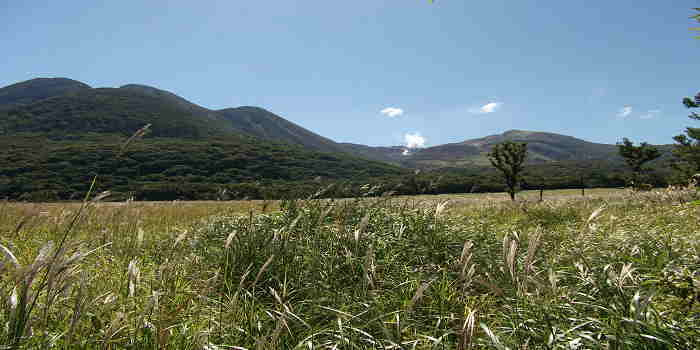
(56,134)
(542,147)
(264,124)
(67,107)
(60,106)
(30,91)
(390,154)
(246,120)
(170,98)
(547,152)
(108,110)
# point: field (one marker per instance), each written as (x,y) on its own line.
(612,270)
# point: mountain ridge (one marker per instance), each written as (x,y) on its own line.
(542,147)
(176,116)
(58,134)
(56,141)
(29,91)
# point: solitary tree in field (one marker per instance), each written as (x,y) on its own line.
(508,157)
(636,157)
(686,151)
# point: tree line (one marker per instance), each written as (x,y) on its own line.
(509,157)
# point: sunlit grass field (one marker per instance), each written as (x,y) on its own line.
(613,269)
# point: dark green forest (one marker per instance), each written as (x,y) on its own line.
(165,169)
(169,169)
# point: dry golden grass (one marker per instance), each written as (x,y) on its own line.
(609,270)
(17,216)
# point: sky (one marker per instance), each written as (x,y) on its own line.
(383,72)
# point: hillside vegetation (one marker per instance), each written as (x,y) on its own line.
(62,134)
(119,111)
(171,168)
(60,106)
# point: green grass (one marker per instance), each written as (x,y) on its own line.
(613,270)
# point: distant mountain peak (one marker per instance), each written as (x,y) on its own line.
(516,132)
(54,80)
(253,108)
(139,86)
(37,89)
(150,90)
(169,96)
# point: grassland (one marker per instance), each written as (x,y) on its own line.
(611,270)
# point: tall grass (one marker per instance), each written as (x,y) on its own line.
(611,273)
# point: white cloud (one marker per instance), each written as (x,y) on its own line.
(624,111)
(651,114)
(487,108)
(392,112)
(414,140)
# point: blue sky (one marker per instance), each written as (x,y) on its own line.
(446,72)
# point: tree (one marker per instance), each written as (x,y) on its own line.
(686,151)
(508,157)
(636,157)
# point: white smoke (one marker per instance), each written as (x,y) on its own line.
(414,140)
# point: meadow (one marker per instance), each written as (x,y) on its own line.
(613,269)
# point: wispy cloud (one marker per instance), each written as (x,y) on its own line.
(651,114)
(414,140)
(392,112)
(487,108)
(624,111)
(627,111)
